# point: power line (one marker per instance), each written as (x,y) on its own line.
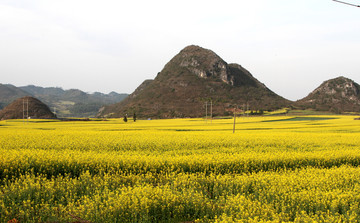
(346,3)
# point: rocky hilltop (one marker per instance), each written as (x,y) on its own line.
(337,95)
(33,109)
(190,80)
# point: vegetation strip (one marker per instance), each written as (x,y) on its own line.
(80,172)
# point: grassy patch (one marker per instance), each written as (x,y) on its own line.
(301,119)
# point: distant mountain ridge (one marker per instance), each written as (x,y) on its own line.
(9,93)
(73,94)
(192,78)
(66,103)
(190,84)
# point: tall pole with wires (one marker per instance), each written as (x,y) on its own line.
(23,111)
(234,119)
(27,110)
(211,115)
(206,112)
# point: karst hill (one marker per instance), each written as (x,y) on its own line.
(193,82)
(28,107)
(190,80)
(337,95)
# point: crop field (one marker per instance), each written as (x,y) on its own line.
(272,169)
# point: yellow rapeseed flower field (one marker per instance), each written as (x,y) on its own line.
(272,169)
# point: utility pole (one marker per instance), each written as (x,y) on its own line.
(206,112)
(234,119)
(211,111)
(247,109)
(23,111)
(27,110)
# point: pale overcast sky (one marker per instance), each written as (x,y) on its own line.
(292,46)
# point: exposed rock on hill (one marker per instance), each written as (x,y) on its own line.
(189,80)
(338,95)
(35,108)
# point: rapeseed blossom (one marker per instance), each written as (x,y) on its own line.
(273,169)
